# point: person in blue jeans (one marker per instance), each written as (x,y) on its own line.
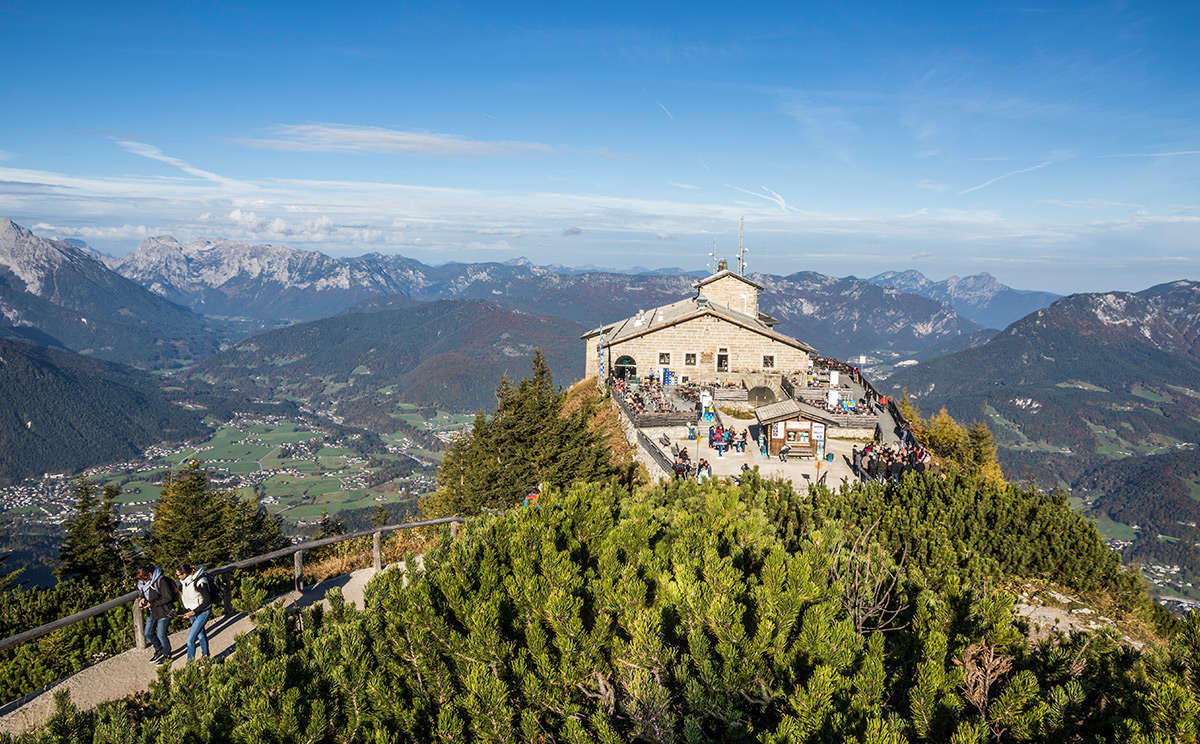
(158,596)
(195,591)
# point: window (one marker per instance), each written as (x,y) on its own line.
(684,378)
(664,357)
(689,360)
(768,361)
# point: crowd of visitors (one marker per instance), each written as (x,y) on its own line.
(647,396)
(723,439)
(885,462)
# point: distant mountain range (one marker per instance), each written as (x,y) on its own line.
(358,365)
(61,411)
(978,297)
(57,294)
(1091,377)
(273,284)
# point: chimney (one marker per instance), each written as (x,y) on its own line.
(722,265)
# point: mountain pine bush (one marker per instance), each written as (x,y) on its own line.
(693,613)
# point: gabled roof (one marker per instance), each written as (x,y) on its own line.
(781,411)
(678,312)
(721,275)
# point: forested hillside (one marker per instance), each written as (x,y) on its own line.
(65,411)
(447,354)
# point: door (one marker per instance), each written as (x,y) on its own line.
(625,368)
(722,362)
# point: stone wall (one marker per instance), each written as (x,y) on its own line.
(734,294)
(703,336)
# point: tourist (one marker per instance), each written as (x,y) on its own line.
(157,596)
(195,591)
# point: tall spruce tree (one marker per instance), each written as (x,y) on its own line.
(198,524)
(92,547)
(526,442)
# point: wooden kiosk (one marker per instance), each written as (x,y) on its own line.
(784,424)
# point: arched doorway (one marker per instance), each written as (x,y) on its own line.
(761,396)
(625,368)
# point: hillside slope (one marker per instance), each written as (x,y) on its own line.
(60,412)
(1092,377)
(447,354)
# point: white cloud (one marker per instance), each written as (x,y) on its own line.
(1174,154)
(664,236)
(685,186)
(571,230)
(349,138)
(1088,203)
(931,185)
(1003,176)
(116,232)
(766,194)
(666,110)
(153,153)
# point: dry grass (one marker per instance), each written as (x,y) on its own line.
(604,419)
(342,558)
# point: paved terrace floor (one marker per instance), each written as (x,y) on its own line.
(797,471)
(131,672)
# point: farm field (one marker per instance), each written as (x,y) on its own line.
(298,470)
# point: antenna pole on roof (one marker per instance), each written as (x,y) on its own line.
(712,265)
(741,247)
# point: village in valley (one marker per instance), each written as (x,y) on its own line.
(297,466)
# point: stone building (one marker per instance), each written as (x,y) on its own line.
(717,335)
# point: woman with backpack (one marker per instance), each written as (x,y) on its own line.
(196,595)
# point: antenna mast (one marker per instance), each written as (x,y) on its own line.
(741,248)
(713,255)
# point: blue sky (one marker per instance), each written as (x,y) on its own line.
(1056,146)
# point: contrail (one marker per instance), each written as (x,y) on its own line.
(1010,174)
(666,110)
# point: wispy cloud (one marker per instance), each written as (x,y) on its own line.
(1171,154)
(349,138)
(1003,176)
(766,194)
(1088,203)
(666,110)
(687,186)
(664,236)
(931,185)
(153,153)
(571,230)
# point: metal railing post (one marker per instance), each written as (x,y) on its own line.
(298,569)
(377,551)
(139,629)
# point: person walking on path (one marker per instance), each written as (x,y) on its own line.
(158,596)
(196,594)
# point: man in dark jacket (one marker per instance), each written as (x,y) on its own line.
(158,596)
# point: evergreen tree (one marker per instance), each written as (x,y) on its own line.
(196,524)
(92,548)
(983,452)
(527,442)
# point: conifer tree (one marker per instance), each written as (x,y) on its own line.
(92,548)
(527,442)
(196,524)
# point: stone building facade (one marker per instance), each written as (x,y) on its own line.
(717,335)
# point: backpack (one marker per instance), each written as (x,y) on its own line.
(216,590)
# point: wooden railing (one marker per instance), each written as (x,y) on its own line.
(297,551)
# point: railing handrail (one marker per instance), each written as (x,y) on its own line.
(100,609)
